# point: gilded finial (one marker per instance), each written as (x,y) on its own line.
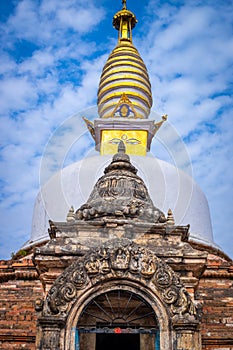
(159,124)
(90,127)
(124,21)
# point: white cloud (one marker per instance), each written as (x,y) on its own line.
(37,64)
(16,93)
(82,20)
(24,23)
(48,20)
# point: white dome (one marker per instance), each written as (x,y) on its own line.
(168,187)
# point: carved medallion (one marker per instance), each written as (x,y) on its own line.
(163,276)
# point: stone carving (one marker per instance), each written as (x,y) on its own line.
(135,260)
(148,265)
(92,265)
(170,218)
(120,193)
(163,276)
(119,258)
(170,295)
(65,288)
(104,260)
(52,231)
(70,216)
(173,291)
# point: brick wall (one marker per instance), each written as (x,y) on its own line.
(215,292)
(19,288)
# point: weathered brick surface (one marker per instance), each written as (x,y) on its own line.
(215,292)
(17,311)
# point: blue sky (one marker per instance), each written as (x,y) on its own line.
(52,54)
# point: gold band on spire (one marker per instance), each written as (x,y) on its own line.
(124,4)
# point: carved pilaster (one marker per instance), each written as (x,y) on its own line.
(49,333)
(186,332)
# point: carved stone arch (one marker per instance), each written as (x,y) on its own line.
(123,264)
(147,295)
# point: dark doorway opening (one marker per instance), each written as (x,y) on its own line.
(117,341)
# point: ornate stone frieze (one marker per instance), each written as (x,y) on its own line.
(119,259)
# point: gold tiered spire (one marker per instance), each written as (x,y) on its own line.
(124,96)
(124,72)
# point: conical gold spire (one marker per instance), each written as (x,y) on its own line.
(124,72)
(124,96)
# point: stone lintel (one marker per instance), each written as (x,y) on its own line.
(74,228)
(225,341)
(189,323)
(52,322)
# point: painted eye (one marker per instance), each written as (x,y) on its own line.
(114,141)
(133,141)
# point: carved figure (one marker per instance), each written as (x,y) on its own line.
(148,266)
(104,261)
(120,260)
(92,265)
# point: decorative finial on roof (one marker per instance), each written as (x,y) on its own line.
(124,21)
(170,218)
(121,147)
(70,215)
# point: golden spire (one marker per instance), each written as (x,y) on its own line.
(124,21)
(124,96)
(124,73)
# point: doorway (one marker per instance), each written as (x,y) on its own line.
(117,341)
(117,320)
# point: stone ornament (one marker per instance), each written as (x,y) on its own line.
(119,258)
(65,288)
(120,193)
